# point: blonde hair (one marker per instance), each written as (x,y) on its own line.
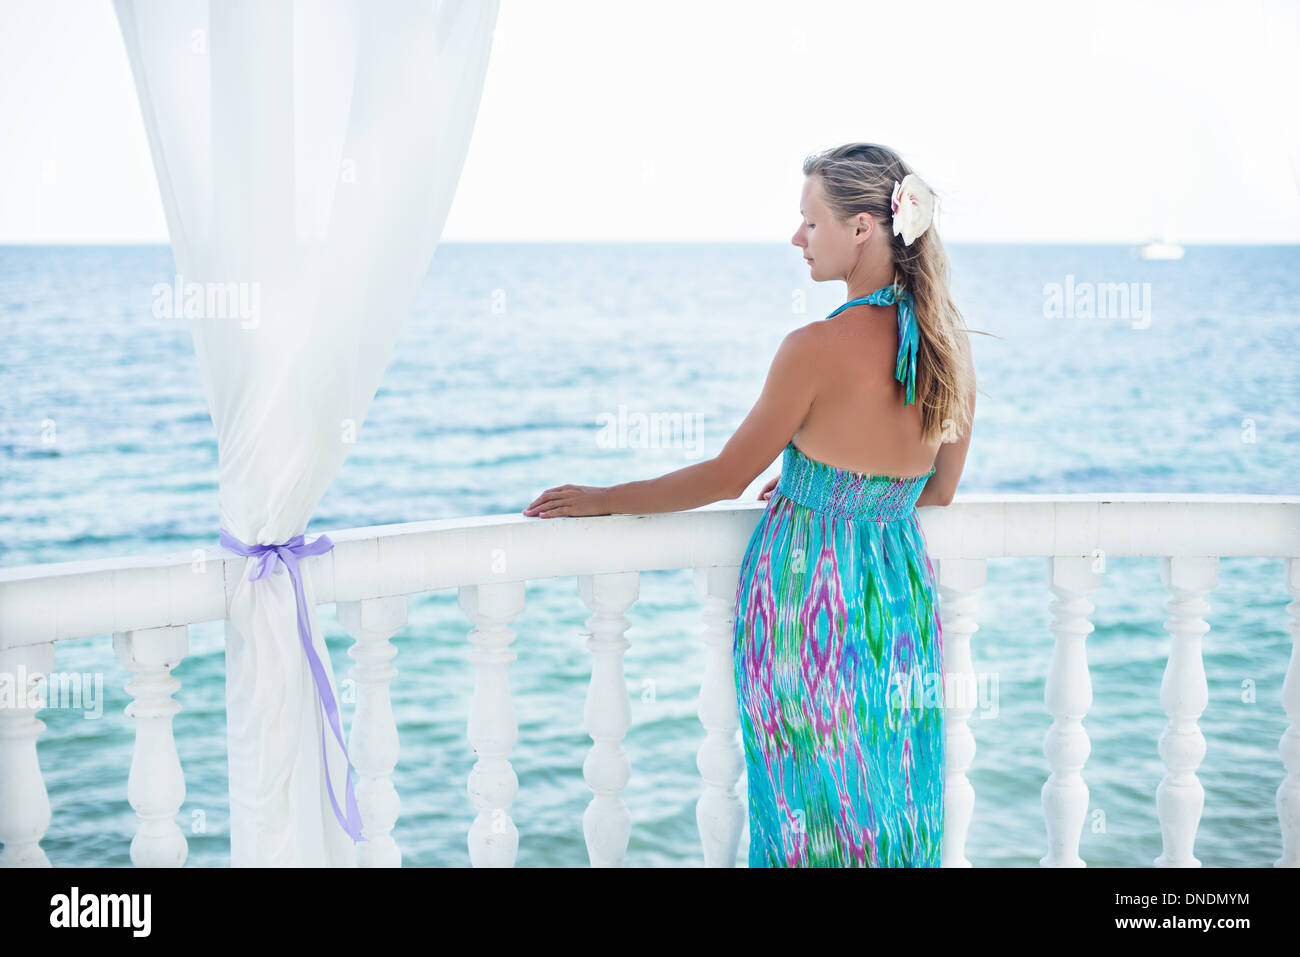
(859,178)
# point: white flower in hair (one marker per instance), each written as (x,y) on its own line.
(913,206)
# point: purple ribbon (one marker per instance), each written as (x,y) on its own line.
(288,554)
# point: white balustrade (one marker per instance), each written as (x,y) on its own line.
(24,803)
(959,582)
(1184,694)
(720,812)
(156,784)
(372,742)
(1069,696)
(493,728)
(146,604)
(606,824)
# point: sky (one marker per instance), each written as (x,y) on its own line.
(689,121)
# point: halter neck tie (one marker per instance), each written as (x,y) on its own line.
(908,336)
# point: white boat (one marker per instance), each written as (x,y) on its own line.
(1162,249)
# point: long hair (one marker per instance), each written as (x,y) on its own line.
(859,178)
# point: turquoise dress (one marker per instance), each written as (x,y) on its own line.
(838,662)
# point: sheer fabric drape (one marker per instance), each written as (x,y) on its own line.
(307,154)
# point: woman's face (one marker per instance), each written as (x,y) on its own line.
(830,247)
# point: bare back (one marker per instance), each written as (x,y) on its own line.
(858,420)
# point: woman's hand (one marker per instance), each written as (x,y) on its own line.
(770,487)
(572,500)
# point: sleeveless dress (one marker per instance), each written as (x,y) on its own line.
(838,663)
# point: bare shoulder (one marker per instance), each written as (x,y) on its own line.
(798,357)
(808,333)
(802,345)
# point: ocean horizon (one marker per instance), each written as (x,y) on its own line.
(521,366)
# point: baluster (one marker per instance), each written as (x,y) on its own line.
(493,729)
(1288,793)
(156,785)
(24,802)
(372,742)
(959,583)
(606,823)
(1068,696)
(720,812)
(1184,695)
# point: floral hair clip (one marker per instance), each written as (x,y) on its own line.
(912,204)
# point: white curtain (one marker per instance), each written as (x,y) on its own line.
(307,154)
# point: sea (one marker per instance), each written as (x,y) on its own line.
(1099,371)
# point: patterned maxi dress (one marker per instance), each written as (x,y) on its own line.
(838,663)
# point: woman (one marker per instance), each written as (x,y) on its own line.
(838,652)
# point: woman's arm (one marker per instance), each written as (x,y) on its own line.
(686,488)
(948,465)
(777,415)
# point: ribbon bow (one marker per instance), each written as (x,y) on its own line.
(288,554)
(908,336)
